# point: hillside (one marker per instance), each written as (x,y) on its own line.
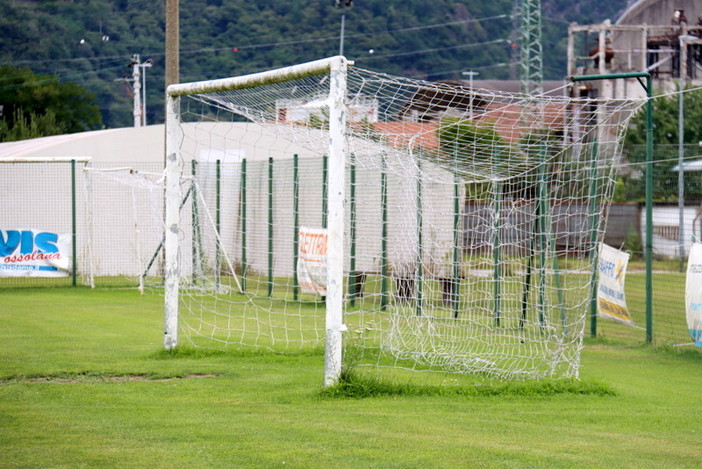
(91,42)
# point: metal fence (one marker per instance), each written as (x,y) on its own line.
(105,216)
(100,219)
(675,225)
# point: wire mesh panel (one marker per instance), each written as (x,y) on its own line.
(42,224)
(675,225)
(124,211)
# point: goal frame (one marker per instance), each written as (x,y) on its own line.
(337,68)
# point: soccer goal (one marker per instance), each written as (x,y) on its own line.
(401,225)
(125,231)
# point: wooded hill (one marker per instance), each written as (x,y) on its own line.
(90,42)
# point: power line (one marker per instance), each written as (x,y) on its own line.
(426,51)
(75,59)
(55,77)
(272,44)
(356,35)
(451,72)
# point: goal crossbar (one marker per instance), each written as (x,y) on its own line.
(308,69)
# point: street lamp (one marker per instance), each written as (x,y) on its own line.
(470,76)
(144,66)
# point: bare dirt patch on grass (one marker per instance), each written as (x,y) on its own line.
(71,378)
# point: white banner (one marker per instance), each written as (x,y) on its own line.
(611,302)
(312,260)
(693,293)
(34,253)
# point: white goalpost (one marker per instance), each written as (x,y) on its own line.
(336,70)
(400,225)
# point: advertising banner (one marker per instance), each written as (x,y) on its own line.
(611,302)
(34,253)
(693,294)
(312,260)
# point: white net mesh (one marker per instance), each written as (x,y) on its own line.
(471,220)
(125,226)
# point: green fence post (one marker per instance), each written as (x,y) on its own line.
(353,279)
(270,227)
(456,274)
(649,210)
(296,225)
(218,221)
(496,254)
(325,179)
(419,283)
(242,209)
(384,297)
(548,237)
(74,229)
(594,257)
(196,231)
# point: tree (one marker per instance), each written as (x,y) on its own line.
(476,148)
(631,186)
(40,105)
(665,121)
(34,126)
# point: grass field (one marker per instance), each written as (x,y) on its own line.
(84,383)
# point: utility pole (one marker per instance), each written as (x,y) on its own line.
(139,89)
(136,87)
(343,4)
(172,42)
(470,76)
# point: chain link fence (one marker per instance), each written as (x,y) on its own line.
(113,215)
(676,224)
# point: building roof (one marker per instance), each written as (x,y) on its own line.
(551,87)
(123,144)
(659,12)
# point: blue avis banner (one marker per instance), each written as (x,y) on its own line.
(34,253)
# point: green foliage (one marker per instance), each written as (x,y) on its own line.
(473,147)
(39,105)
(665,150)
(465,139)
(665,123)
(354,384)
(634,245)
(25,127)
(632,186)
(479,148)
(220,38)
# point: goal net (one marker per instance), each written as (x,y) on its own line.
(424,226)
(125,225)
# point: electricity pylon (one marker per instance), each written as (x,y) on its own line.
(531,69)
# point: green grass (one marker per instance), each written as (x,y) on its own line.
(84,383)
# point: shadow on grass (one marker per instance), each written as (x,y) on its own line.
(100,377)
(687,351)
(183,351)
